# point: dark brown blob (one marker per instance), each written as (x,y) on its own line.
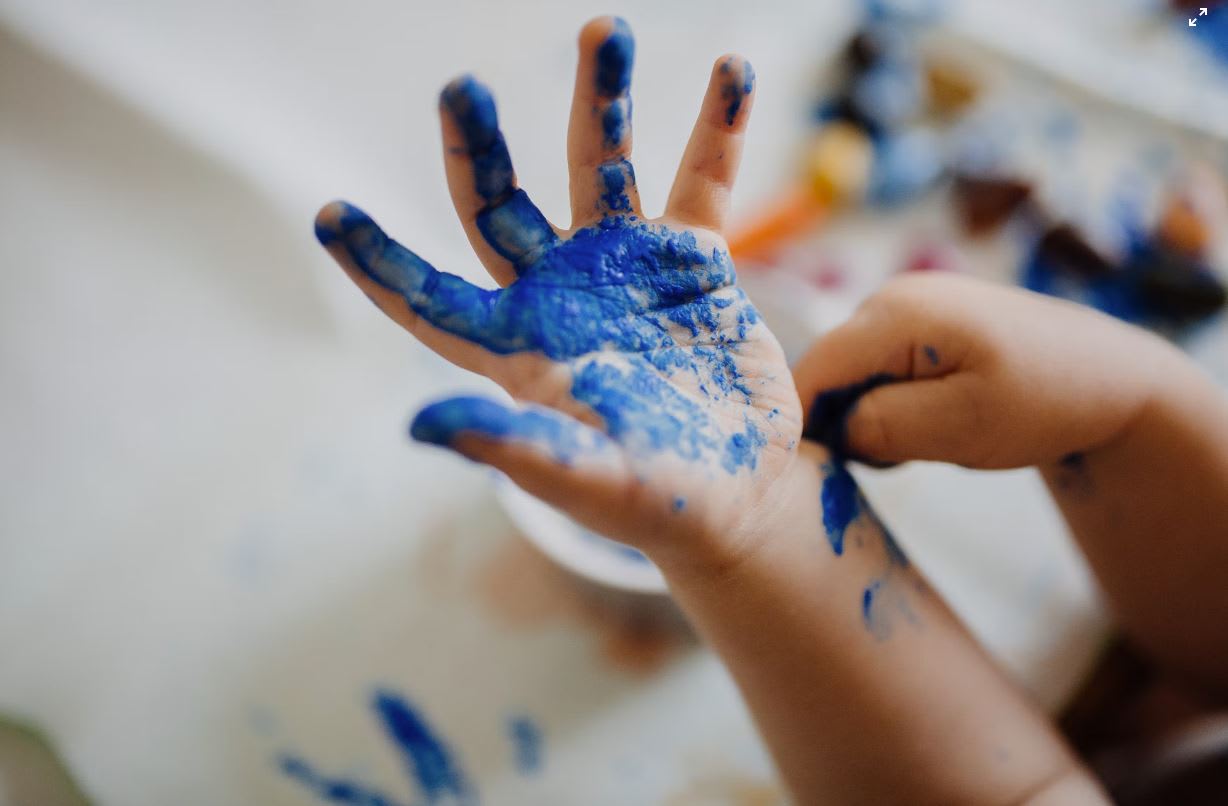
(1176,287)
(1064,249)
(985,203)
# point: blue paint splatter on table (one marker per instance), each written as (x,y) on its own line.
(527,743)
(428,761)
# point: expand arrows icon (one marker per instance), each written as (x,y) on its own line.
(1193,21)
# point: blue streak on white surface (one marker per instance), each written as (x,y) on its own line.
(427,758)
(528,744)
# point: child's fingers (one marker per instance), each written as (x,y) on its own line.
(506,229)
(875,350)
(599,135)
(701,191)
(554,457)
(936,420)
(443,311)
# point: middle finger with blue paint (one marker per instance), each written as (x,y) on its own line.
(599,136)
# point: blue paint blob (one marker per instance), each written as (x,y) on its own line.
(426,757)
(516,229)
(742,450)
(332,789)
(827,422)
(615,120)
(841,504)
(527,744)
(735,89)
(441,423)
(615,178)
(615,57)
(932,354)
(679,504)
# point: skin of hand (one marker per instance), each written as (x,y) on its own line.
(654,406)
(1130,436)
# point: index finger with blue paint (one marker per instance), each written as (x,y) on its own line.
(506,229)
(599,135)
(446,313)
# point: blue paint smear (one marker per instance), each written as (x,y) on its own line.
(621,286)
(332,790)
(473,108)
(867,606)
(616,176)
(615,120)
(527,743)
(615,57)
(679,504)
(426,757)
(827,422)
(441,423)
(931,353)
(509,221)
(736,88)
(841,504)
(742,450)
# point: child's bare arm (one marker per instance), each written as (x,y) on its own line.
(654,406)
(1131,437)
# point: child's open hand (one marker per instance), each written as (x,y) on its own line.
(658,405)
(951,369)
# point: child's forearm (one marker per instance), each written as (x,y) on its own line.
(1150,510)
(865,686)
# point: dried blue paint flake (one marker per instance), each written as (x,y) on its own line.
(615,57)
(932,354)
(527,744)
(679,504)
(841,504)
(427,759)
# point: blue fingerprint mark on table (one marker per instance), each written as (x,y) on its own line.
(653,296)
(427,758)
(527,744)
